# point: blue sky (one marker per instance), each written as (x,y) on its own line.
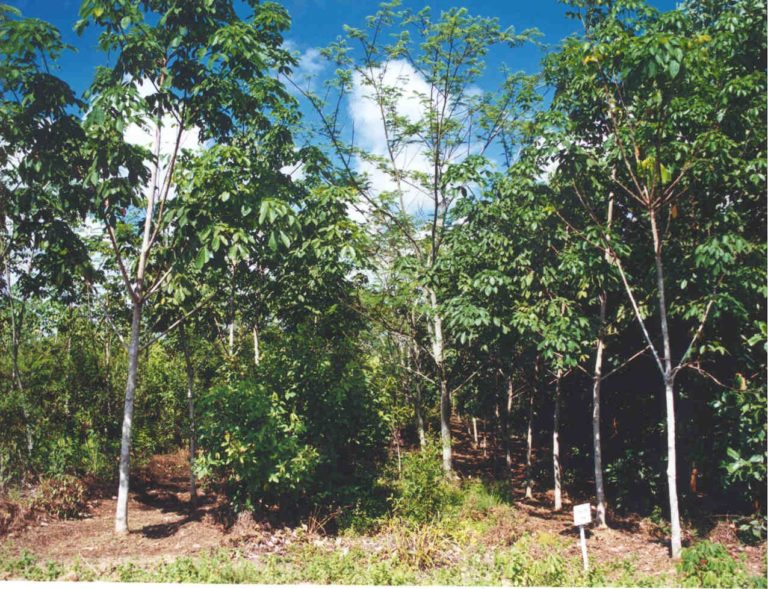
(318,22)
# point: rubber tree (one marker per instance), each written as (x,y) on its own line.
(185,73)
(642,106)
(41,207)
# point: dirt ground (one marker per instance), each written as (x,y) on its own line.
(159,517)
(163,525)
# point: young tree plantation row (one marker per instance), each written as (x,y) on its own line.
(204,249)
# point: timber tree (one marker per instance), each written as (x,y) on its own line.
(41,203)
(638,92)
(426,142)
(181,71)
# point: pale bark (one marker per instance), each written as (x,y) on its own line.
(419,417)
(191,412)
(416,361)
(137,296)
(474,429)
(504,410)
(256,346)
(529,449)
(669,396)
(231,314)
(16,324)
(556,445)
(596,384)
(445,393)
(121,514)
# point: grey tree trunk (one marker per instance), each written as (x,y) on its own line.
(556,445)
(415,359)
(191,411)
(256,347)
(669,396)
(16,326)
(505,407)
(445,393)
(529,449)
(596,384)
(445,424)
(121,515)
(419,417)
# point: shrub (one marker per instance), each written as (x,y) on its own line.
(254,442)
(60,496)
(752,529)
(421,493)
(708,564)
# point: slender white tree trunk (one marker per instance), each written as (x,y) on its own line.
(474,429)
(505,407)
(256,348)
(445,394)
(121,515)
(669,397)
(419,417)
(137,298)
(415,359)
(529,449)
(596,384)
(556,445)
(674,511)
(191,411)
(16,327)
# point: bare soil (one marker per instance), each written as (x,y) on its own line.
(163,524)
(161,521)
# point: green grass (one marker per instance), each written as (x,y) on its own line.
(356,565)
(476,541)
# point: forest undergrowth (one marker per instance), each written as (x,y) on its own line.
(475,530)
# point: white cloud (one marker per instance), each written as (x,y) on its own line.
(310,64)
(412,95)
(145,135)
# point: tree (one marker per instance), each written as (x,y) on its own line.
(180,70)
(41,204)
(426,141)
(642,117)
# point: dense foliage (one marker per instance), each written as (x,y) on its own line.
(575,257)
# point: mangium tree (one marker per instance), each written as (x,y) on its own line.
(182,71)
(425,144)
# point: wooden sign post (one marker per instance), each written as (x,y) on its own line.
(582,515)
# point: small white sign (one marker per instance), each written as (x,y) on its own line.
(582,514)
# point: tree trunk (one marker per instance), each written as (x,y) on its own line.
(674,512)
(416,360)
(504,411)
(191,410)
(556,445)
(16,326)
(445,393)
(231,314)
(474,430)
(419,417)
(121,515)
(669,397)
(596,384)
(529,449)
(256,348)
(445,424)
